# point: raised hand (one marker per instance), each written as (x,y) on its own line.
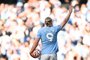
(70,8)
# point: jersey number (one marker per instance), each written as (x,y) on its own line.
(49,36)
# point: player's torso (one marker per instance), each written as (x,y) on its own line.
(49,40)
(48,34)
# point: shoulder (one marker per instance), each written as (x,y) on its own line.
(41,29)
(58,26)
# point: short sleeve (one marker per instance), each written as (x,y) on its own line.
(39,34)
(58,28)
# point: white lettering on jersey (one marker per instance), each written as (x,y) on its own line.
(49,36)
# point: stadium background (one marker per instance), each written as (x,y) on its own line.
(20,21)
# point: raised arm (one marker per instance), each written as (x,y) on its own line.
(67,17)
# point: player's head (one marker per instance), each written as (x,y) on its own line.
(48,21)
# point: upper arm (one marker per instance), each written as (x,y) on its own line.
(39,34)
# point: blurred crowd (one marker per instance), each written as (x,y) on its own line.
(20,23)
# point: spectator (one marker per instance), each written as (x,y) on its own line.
(3,57)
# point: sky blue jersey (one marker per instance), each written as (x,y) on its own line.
(48,36)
